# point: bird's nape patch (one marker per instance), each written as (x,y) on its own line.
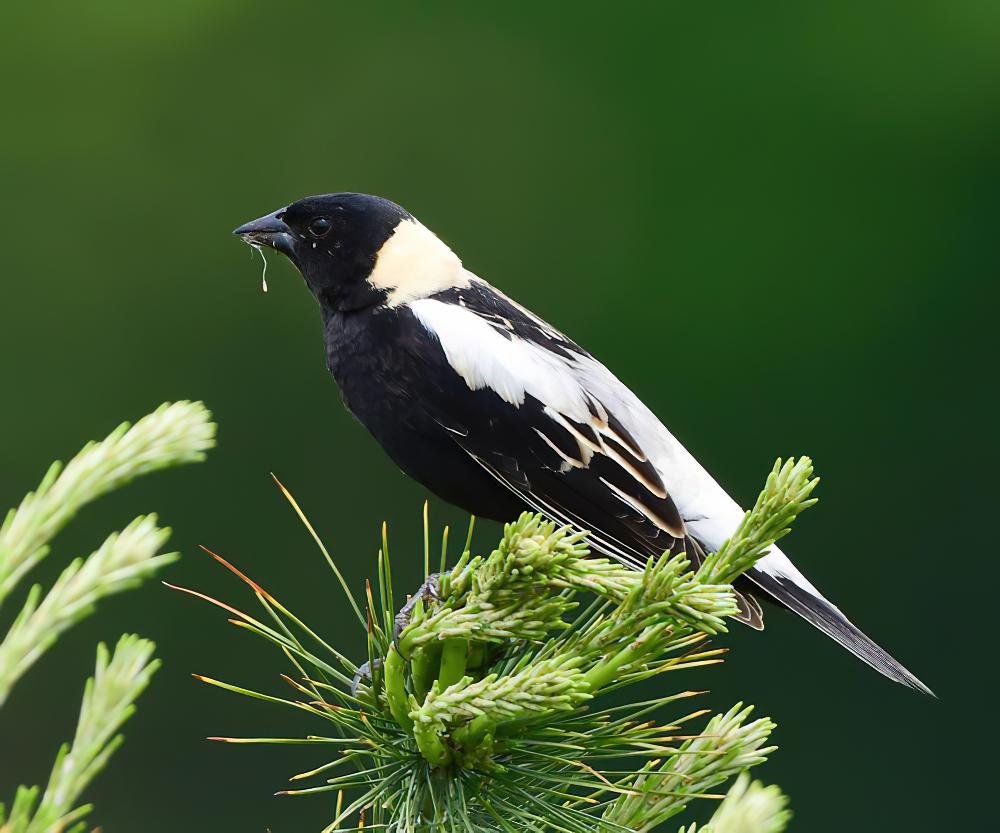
(415,263)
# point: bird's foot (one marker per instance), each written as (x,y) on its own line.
(430,589)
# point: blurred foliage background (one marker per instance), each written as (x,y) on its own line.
(776,221)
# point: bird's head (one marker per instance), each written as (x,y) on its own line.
(356,251)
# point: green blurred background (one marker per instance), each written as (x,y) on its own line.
(776,221)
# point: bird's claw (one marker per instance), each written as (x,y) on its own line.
(430,589)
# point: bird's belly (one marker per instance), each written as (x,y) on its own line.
(449,472)
(394,381)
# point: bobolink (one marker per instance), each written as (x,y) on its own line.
(496,411)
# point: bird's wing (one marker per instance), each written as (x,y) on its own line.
(573,402)
(551,438)
(555,427)
(562,432)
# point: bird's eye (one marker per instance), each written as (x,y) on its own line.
(319,227)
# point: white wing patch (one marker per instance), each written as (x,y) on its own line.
(511,367)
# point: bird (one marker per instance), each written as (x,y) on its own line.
(496,411)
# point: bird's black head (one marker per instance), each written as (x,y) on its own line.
(341,245)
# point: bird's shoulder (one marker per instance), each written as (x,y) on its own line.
(494,343)
(503,314)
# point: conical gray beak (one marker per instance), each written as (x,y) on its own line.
(269,230)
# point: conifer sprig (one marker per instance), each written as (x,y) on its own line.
(108,701)
(480,705)
(728,745)
(749,807)
(175,433)
(786,493)
(121,562)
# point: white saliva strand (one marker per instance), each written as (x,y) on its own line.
(263,274)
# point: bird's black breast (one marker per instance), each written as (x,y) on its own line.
(396,381)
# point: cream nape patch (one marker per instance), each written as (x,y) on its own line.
(414,263)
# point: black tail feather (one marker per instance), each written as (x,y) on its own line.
(829,619)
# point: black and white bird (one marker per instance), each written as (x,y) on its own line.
(496,411)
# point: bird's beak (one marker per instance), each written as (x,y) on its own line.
(269,230)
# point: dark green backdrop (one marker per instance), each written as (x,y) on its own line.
(776,221)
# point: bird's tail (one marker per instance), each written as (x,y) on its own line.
(828,618)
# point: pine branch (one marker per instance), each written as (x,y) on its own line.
(551,684)
(727,746)
(175,433)
(122,562)
(749,807)
(509,594)
(108,701)
(481,704)
(786,494)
